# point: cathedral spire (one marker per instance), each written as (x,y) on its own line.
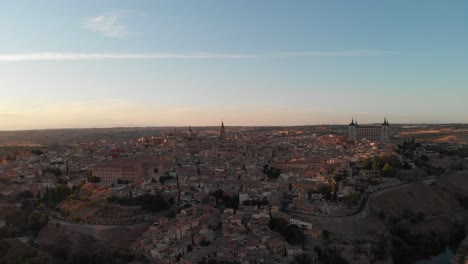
(222,131)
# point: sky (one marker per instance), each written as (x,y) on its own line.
(73,64)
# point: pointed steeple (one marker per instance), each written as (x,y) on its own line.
(222,131)
(189,131)
(352,122)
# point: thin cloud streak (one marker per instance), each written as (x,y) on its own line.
(59,56)
(107,24)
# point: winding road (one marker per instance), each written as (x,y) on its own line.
(362,210)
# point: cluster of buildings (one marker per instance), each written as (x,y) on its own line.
(227,185)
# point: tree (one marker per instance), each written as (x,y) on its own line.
(273,173)
(94,179)
(278,225)
(37,152)
(326,234)
(376,163)
(24,195)
(388,171)
(325,190)
(294,235)
(368,163)
(393,160)
(36,222)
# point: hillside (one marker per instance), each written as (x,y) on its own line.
(437,202)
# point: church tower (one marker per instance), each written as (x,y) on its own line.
(352,130)
(222,132)
(385,130)
(189,132)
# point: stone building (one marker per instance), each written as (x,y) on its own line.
(373,133)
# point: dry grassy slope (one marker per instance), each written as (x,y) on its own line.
(436,201)
(85,209)
(444,134)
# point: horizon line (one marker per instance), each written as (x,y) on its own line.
(206,126)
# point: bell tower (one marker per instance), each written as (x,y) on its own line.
(352,130)
(385,130)
(222,132)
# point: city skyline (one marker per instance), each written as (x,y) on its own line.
(154,63)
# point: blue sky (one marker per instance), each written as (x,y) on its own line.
(157,63)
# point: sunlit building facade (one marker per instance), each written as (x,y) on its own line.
(367,132)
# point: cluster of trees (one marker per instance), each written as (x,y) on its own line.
(33,215)
(120,181)
(224,200)
(12,252)
(408,247)
(457,233)
(379,249)
(24,195)
(148,202)
(462,153)
(23,223)
(37,152)
(11,157)
(54,196)
(325,191)
(94,179)
(271,172)
(292,233)
(388,165)
(28,221)
(407,148)
(56,171)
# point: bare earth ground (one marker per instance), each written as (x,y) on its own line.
(438,134)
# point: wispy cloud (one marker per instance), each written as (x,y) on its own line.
(109,24)
(57,56)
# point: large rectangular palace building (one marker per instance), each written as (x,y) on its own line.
(373,133)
